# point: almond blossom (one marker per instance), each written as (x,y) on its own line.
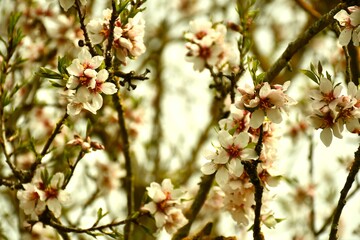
(128,38)
(206,45)
(331,110)
(351,24)
(264,100)
(88,83)
(227,159)
(165,206)
(40,194)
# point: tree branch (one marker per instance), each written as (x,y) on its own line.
(342,200)
(301,41)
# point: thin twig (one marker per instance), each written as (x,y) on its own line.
(301,41)
(83,28)
(311,176)
(342,200)
(308,8)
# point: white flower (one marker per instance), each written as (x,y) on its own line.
(264,100)
(30,202)
(350,22)
(227,160)
(54,196)
(82,70)
(165,206)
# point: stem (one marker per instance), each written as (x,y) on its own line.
(46,147)
(301,41)
(67,229)
(311,177)
(250,168)
(352,64)
(129,186)
(108,56)
(342,200)
(83,28)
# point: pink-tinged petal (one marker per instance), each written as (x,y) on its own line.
(326,136)
(160,219)
(150,207)
(166,185)
(257,118)
(248,153)
(355,18)
(274,115)
(337,129)
(265,90)
(96,62)
(225,139)
(326,86)
(345,36)
(209,168)
(337,91)
(84,56)
(54,206)
(222,176)
(82,94)
(75,68)
(222,158)
(235,167)
(90,73)
(74,108)
(66,4)
(102,75)
(210,155)
(108,88)
(73,82)
(342,17)
(242,140)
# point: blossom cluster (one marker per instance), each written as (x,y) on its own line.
(238,136)
(264,100)
(351,25)
(331,110)
(165,206)
(86,83)
(128,38)
(206,46)
(42,193)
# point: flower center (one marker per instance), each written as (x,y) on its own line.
(234,152)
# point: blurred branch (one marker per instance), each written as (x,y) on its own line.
(129,186)
(301,41)
(342,200)
(352,63)
(308,8)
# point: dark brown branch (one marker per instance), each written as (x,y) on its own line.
(301,41)
(352,63)
(344,192)
(108,56)
(83,28)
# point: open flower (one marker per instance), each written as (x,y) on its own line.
(165,206)
(227,159)
(350,22)
(264,100)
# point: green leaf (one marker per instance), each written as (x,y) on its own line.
(310,75)
(14,18)
(63,63)
(48,73)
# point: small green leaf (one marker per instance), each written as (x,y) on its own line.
(310,75)
(48,73)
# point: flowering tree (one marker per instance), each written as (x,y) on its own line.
(97,100)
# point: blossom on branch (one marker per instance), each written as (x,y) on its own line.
(351,24)
(264,100)
(88,83)
(165,206)
(331,111)
(42,193)
(128,38)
